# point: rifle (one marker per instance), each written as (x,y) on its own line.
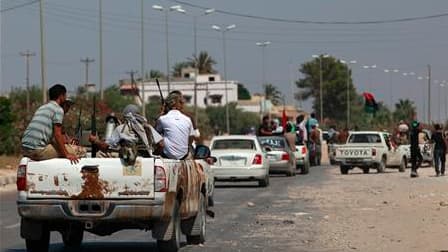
(160,92)
(93,127)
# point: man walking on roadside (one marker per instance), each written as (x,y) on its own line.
(439,150)
(416,156)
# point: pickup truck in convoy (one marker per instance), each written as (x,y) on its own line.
(106,195)
(369,149)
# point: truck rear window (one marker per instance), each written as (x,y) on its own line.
(364,138)
(242,144)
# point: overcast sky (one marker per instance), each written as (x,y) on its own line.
(72,33)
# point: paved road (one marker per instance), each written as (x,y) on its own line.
(276,221)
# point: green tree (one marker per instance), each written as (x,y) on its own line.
(8,136)
(404,110)
(334,86)
(177,68)
(115,100)
(240,121)
(243,93)
(156,74)
(203,62)
(272,93)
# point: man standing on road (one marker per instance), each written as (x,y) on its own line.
(43,138)
(439,150)
(416,156)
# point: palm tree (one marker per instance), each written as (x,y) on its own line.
(177,68)
(404,110)
(204,63)
(155,74)
(272,93)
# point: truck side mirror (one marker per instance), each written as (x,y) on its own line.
(201,152)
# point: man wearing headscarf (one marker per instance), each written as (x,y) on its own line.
(134,130)
(177,128)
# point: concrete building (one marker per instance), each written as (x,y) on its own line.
(210,88)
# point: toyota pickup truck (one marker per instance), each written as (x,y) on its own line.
(106,195)
(369,149)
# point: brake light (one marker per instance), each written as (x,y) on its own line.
(303,150)
(161,184)
(21,178)
(258,160)
(285,156)
(373,152)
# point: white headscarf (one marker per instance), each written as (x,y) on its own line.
(137,123)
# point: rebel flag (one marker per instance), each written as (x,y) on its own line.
(370,105)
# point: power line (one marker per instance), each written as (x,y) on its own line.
(302,21)
(19,6)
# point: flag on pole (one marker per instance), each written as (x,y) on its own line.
(370,105)
(284,118)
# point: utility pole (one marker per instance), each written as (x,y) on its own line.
(429,94)
(27,56)
(43,71)
(142,63)
(100,3)
(87,61)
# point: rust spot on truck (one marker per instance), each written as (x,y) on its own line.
(93,187)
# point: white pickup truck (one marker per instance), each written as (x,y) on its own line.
(369,149)
(105,195)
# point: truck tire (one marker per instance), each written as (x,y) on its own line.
(382,166)
(403,164)
(72,236)
(40,245)
(173,244)
(264,182)
(305,169)
(199,226)
(344,169)
(365,170)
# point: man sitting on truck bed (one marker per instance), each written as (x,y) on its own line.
(43,138)
(176,128)
(133,131)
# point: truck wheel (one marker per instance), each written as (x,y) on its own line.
(173,244)
(381,166)
(39,245)
(264,182)
(72,237)
(365,170)
(403,164)
(305,169)
(344,169)
(199,225)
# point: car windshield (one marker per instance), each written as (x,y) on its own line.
(275,143)
(364,138)
(243,144)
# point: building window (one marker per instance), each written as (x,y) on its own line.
(216,98)
(187,98)
(187,75)
(211,78)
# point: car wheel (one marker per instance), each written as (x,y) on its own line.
(173,244)
(72,236)
(199,225)
(39,245)
(264,182)
(305,168)
(344,169)
(382,166)
(365,170)
(403,165)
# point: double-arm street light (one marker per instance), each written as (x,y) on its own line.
(179,9)
(370,75)
(224,30)
(348,88)
(319,57)
(390,72)
(195,52)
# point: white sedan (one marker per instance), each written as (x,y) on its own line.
(239,157)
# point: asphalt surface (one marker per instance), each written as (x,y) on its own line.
(248,218)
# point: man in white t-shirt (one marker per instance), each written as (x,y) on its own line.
(176,128)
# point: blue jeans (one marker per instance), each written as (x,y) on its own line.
(439,160)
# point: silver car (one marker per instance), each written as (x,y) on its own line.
(281,157)
(239,157)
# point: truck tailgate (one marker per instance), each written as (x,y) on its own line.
(353,152)
(91,178)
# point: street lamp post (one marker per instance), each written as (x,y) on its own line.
(224,31)
(263,67)
(423,100)
(348,88)
(370,75)
(195,48)
(177,8)
(389,72)
(320,84)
